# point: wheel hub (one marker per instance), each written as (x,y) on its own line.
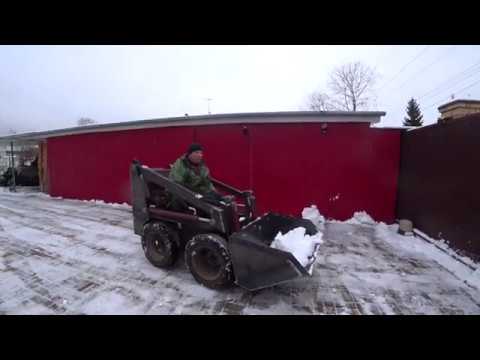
(207,263)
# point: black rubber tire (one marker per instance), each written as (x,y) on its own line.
(208,259)
(160,244)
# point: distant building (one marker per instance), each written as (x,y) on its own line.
(335,160)
(23,155)
(457,109)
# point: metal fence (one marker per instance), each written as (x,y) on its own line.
(439,182)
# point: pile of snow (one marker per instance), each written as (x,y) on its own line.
(301,245)
(361,218)
(311,213)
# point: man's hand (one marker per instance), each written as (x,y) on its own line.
(214,198)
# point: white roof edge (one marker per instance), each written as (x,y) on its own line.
(199,120)
(392,127)
(414,128)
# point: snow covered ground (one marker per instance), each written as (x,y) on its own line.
(72,257)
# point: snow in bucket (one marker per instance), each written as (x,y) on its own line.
(301,245)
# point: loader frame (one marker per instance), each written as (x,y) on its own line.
(219,218)
(256,264)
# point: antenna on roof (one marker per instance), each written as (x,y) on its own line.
(208,102)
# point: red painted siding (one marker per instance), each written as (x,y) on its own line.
(289,166)
(295,165)
(226,153)
(96,166)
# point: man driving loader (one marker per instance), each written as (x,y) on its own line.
(190,171)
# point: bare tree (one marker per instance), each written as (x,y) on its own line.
(318,101)
(351,87)
(85,121)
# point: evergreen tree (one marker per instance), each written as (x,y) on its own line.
(414,115)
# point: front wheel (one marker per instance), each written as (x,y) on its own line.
(208,259)
(160,244)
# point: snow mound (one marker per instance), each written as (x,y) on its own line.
(311,213)
(301,245)
(361,218)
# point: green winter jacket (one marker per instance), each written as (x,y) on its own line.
(183,172)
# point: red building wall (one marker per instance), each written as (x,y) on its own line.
(351,167)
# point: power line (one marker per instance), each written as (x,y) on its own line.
(445,99)
(451,82)
(428,66)
(460,90)
(405,66)
(385,58)
(456,83)
(468,71)
(463,89)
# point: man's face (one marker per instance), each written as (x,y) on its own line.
(196,157)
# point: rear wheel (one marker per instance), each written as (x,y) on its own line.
(208,259)
(160,244)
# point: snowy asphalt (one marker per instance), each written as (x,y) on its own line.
(72,257)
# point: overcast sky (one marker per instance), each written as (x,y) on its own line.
(50,87)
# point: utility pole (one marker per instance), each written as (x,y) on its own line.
(12,186)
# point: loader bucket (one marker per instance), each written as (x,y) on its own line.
(256,265)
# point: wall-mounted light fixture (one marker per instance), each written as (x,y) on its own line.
(244,130)
(324,128)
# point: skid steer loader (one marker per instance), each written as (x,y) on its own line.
(223,243)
